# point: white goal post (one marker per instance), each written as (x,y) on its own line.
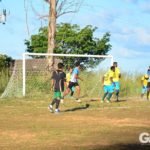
(53,54)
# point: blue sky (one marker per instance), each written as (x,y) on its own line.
(127,21)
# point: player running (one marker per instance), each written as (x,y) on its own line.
(116,78)
(68,79)
(107,82)
(74,81)
(58,80)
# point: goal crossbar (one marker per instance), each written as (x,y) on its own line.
(54,54)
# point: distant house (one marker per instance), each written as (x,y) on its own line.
(33,65)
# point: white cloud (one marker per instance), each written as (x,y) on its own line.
(138,36)
(129,59)
(124,52)
(143,36)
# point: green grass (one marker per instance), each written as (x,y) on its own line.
(38,84)
(91,84)
(26,124)
(4,78)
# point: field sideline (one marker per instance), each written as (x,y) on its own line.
(27,124)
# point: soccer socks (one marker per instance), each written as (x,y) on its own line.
(148,95)
(109,96)
(72,92)
(105,94)
(53,102)
(57,103)
(117,94)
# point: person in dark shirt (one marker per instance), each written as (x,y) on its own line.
(57,85)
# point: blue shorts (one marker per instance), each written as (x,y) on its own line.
(108,88)
(116,85)
(144,89)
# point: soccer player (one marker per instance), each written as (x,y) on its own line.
(148,84)
(68,79)
(74,81)
(116,78)
(107,82)
(144,82)
(57,84)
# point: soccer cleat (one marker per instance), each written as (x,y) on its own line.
(78,100)
(57,111)
(102,101)
(50,107)
(108,101)
(62,101)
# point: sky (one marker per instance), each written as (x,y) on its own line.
(128,22)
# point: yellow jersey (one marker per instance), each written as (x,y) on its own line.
(68,77)
(116,74)
(144,81)
(107,77)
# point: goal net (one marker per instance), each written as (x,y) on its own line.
(31,76)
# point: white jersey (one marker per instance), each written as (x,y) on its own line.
(74,73)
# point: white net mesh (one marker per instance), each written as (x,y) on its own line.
(14,87)
(38,76)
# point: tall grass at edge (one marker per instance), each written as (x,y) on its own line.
(4,79)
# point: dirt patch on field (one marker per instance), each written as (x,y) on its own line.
(19,136)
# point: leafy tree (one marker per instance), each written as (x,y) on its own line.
(70,39)
(4,61)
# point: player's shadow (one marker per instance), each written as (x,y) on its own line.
(131,146)
(122,100)
(77,108)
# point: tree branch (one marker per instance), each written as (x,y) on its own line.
(26,17)
(47,1)
(37,14)
(66,13)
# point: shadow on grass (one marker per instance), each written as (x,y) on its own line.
(123,100)
(126,147)
(77,108)
(123,147)
(133,146)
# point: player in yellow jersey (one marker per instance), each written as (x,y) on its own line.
(144,82)
(107,82)
(68,75)
(116,78)
(68,79)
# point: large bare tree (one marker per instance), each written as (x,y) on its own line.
(58,8)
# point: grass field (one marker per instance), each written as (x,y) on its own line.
(27,124)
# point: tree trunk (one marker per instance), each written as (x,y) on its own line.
(51,31)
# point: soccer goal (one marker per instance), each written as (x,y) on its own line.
(31,75)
